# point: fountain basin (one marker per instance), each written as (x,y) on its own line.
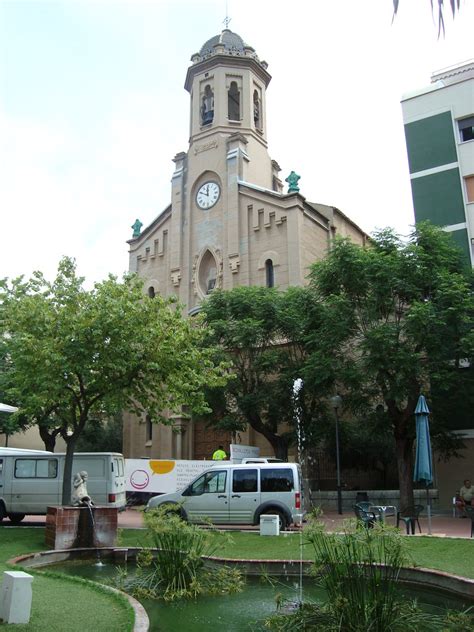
(446,583)
(73,527)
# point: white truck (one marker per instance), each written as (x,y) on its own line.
(32,480)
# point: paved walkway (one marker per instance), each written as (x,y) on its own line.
(441,525)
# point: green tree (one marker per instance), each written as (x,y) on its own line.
(398,318)
(76,354)
(9,424)
(262,333)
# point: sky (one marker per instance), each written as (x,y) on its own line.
(93,109)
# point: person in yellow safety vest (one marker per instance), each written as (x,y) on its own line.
(219,454)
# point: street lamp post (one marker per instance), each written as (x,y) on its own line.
(336,403)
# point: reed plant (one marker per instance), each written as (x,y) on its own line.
(175,567)
(359,570)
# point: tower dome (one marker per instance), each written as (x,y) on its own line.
(226,43)
(232,43)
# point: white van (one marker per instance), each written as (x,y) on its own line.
(31,480)
(240,494)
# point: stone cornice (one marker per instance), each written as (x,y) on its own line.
(215,61)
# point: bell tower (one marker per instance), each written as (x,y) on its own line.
(227,83)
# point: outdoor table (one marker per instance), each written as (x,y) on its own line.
(382,509)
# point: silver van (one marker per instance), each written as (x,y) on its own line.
(31,480)
(239,494)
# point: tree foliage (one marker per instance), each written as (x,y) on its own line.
(399,319)
(76,354)
(261,332)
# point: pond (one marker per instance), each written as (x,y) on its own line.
(243,611)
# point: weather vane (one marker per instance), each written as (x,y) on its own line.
(227,19)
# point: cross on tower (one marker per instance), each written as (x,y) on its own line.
(227,19)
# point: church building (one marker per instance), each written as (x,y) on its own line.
(229,221)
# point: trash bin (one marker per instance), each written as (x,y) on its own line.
(361,497)
(269,525)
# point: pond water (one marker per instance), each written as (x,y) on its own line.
(240,612)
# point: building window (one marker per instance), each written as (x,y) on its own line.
(469,181)
(257,110)
(149,429)
(207,273)
(233,102)
(466,129)
(151,292)
(207,107)
(269,273)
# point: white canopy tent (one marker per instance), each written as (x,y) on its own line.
(5,408)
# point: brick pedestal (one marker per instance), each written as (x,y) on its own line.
(71,527)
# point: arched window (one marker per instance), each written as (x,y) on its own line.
(257,110)
(207,107)
(233,102)
(207,273)
(151,292)
(269,273)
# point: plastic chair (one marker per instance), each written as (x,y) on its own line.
(410,517)
(368,518)
(470,514)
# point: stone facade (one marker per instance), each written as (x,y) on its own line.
(229,222)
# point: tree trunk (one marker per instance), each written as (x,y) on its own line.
(279,444)
(48,438)
(49,441)
(404,449)
(280,447)
(67,475)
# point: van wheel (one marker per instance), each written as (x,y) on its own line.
(16,518)
(281,517)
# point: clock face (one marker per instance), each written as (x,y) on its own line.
(208,194)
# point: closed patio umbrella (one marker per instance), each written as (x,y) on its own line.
(423,462)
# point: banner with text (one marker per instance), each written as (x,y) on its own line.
(160,476)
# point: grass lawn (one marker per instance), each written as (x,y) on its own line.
(61,604)
(453,555)
(67,604)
